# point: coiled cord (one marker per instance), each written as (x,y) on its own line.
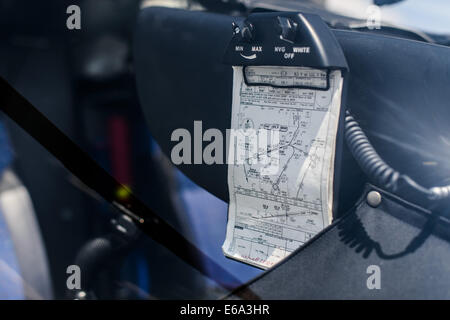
(374,166)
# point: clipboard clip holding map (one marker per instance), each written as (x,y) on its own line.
(291,79)
(289,75)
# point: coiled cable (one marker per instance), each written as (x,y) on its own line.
(374,166)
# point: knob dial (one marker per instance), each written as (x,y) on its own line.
(247,32)
(287,28)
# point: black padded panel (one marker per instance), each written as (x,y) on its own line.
(409,245)
(181,78)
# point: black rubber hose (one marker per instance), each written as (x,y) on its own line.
(366,156)
(376,169)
